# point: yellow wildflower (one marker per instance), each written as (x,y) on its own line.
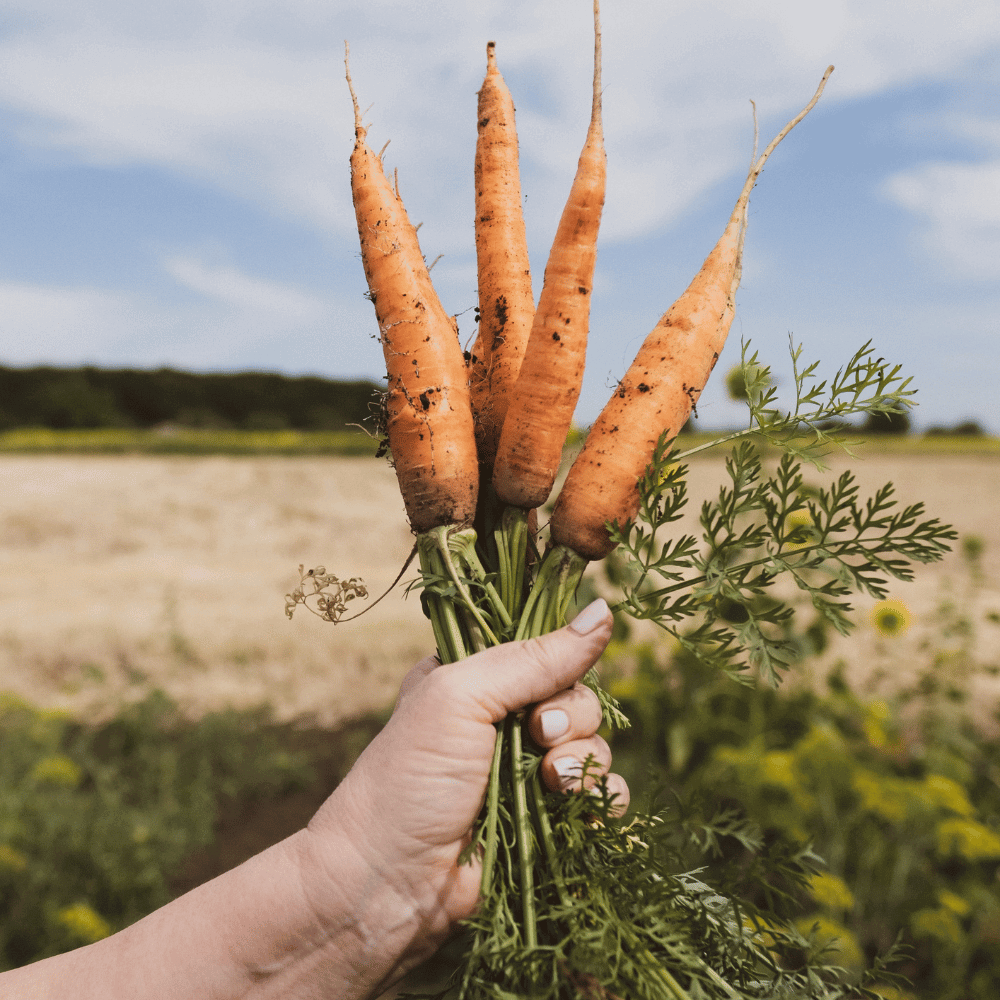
(83,922)
(11,859)
(947,794)
(874,724)
(952,901)
(800,529)
(57,769)
(940,923)
(882,795)
(777,770)
(890,618)
(967,838)
(830,891)
(841,945)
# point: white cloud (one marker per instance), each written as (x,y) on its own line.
(44,324)
(958,206)
(231,287)
(237,321)
(249,96)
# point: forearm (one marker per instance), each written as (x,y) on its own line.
(254,932)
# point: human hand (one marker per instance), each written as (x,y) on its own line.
(405,811)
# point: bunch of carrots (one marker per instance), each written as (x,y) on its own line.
(477,437)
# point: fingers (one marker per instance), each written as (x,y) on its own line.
(619,794)
(568,715)
(564,766)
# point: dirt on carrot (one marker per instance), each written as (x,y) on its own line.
(428,416)
(548,386)
(506,303)
(660,389)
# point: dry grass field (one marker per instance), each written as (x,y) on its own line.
(120,572)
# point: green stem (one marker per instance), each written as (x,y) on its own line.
(465,546)
(524,844)
(492,814)
(512,547)
(442,538)
(553,590)
(545,827)
(452,643)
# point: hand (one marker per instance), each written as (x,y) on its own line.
(406,809)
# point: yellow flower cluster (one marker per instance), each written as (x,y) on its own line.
(11,859)
(841,946)
(83,922)
(57,769)
(967,838)
(830,891)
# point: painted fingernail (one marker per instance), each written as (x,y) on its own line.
(591,616)
(554,723)
(568,769)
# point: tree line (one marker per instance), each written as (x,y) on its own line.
(63,398)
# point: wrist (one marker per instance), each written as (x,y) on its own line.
(375,921)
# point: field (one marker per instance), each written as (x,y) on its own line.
(121,572)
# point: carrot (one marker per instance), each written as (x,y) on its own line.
(429,418)
(548,386)
(506,304)
(659,390)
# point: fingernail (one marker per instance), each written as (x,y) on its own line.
(568,769)
(554,723)
(591,616)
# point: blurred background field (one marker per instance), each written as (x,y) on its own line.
(129,569)
(163,719)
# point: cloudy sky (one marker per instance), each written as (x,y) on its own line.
(174,182)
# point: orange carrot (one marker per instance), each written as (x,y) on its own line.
(659,390)
(506,305)
(429,418)
(548,386)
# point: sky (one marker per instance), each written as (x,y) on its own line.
(174,178)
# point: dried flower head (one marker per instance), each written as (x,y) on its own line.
(329,594)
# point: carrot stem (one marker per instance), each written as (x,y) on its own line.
(524,839)
(439,541)
(464,543)
(453,644)
(545,827)
(553,590)
(512,548)
(492,814)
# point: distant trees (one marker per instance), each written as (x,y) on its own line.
(99,397)
(886,423)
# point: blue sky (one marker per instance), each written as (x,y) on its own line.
(174,182)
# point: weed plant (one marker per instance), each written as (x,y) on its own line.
(95,820)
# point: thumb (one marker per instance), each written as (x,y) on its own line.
(508,677)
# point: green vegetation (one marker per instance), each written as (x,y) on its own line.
(898,796)
(77,398)
(185,441)
(95,820)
